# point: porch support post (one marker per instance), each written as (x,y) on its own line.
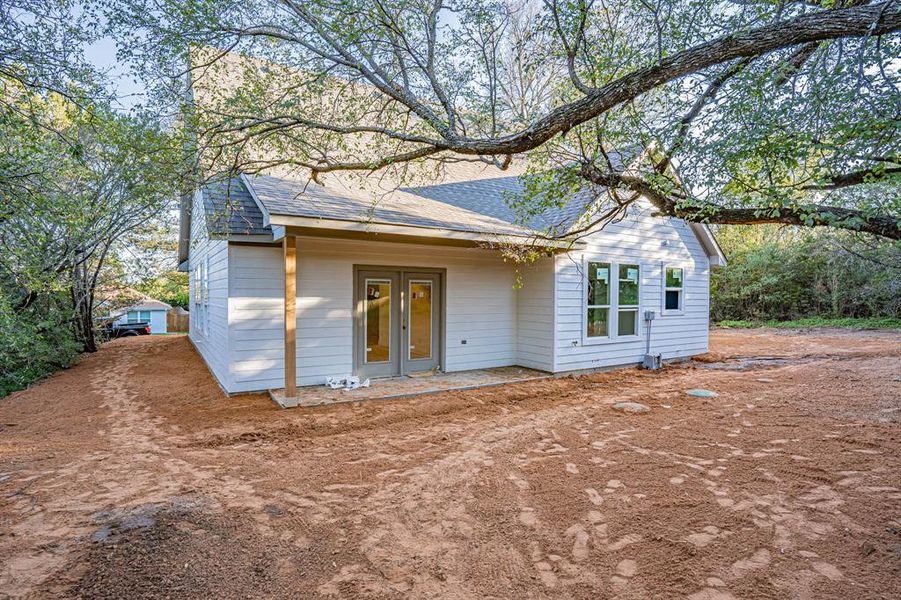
(290,251)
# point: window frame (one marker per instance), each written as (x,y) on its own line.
(630,307)
(410,298)
(672,312)
(378,281)
(613,306)
(586,306)
(205,292)
(195,288)
(206,282)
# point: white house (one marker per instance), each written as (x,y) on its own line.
(329,281)
(148,311)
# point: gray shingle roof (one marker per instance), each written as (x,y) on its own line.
(477,198)
(494,196)
(399,207)
(230,209)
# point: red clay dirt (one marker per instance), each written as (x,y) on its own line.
(132,476)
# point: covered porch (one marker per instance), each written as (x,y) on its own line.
(331,298)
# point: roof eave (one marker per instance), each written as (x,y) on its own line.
(414,232)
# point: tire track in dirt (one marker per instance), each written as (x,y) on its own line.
(777,488)
(136,468)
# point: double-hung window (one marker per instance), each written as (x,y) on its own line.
(673,290)
(627,296)
(206,296)
(201,297)
(598,299)
(612,300)
(197,285)
(206,282)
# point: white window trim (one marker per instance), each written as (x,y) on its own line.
(663,289)
(195,287)
(206,296)
(612,336)
(635,307)
(206,281)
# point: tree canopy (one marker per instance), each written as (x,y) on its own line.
(735,111)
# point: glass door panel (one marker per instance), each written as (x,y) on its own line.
(377,313)
(397,322)
(422,322)
(420,299)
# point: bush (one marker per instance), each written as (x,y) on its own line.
(171,287)
(784,274)
(845,323)
(33,344)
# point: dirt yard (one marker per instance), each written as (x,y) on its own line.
(132,476)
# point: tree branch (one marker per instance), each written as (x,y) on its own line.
(859,21)
(855,178)
(804,215)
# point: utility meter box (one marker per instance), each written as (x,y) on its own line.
(652,362)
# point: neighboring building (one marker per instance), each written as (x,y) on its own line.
(327,281)
(148,311)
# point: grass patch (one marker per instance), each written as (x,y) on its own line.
(843,323)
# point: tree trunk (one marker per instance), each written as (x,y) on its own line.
(89,340)
(82,294)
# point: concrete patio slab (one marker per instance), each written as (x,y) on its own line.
(401,387)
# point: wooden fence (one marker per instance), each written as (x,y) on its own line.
(178,320)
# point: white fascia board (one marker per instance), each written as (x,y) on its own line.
(708,241)
(407,230)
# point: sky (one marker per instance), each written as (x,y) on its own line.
(102,54)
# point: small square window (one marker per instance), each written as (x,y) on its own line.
(673,289)
(673,277)
(672,299)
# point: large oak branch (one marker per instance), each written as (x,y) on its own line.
(803,215)
(872,20)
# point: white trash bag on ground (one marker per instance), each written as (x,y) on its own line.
(346,383)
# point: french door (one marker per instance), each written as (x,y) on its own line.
(398,320)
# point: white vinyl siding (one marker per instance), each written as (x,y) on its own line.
(480,295)
(651,243)
(208,268)
(539,323)
(535,316)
